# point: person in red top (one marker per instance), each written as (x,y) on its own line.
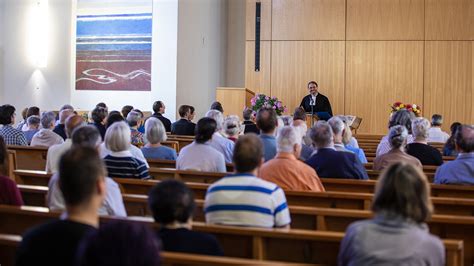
(9,193)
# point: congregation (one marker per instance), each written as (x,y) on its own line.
(270,155)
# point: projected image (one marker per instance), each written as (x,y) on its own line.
(113,45)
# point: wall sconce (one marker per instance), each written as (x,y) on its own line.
(39,34)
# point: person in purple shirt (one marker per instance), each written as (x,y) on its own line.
(397,235)
(9,193)
(461,170)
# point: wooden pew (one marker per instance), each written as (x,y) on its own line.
(158,163)
(171,144)
(31,158)
(10,243)
(253,243)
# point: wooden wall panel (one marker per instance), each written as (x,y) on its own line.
(379,73)
(449,81)
(294,63)
(385,20)
(308,19)
(265,23)
(449,20)
(258,82)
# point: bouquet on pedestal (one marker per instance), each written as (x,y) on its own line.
(261,100)
(415,109)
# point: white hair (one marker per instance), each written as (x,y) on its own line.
(155,132)
(337,125)
(287,120)
(420,127)
(133,118)
(232,125)
(218,116)
(286,139)
(118,137)
(48,119)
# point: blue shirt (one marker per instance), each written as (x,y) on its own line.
(29,134)
(223,145)
(269,146)
(359,152)
(162,152)
(459,171)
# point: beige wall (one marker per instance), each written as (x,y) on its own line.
(235,72)
(367,54)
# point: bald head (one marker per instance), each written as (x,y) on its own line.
(465,138)
(73,122)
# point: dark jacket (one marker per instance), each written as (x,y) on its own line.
(322,104)
(166,122)
(183,127)
(60,129)
(250,127)
(337,164)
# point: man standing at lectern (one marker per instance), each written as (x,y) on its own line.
(315,101)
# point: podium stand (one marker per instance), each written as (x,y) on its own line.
(234,100)
(311,119)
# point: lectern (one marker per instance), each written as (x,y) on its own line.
(234,100)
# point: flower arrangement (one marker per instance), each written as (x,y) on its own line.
(261,100)
(409,107)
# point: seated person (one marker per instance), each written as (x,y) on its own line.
(307,148)
(33,123)
(155,134)
(331,163)
(191,156)
(125,110)
(99,116)
(23,121)
(11,136)
(183,126)
(158,111)
(60,127)
(285,169)
(461,170)
(435,133)
(420,148)
(55,151)
(219,141)
(267,122)
(46,137)
(172,205)
(338,127)
(397,138)
(244,199)
(9,192)
(347,139)
(402,118)
(120,243)
(449,148)
(249,124)
(401,205)
(232,127)
(88,136)
(217,106)
(81,180)
(120,162)
(134,120)
(29,112)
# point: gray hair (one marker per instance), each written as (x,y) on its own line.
(218,116)
(86,136)
(321,134)
(118,137)
(133,118)
(436,120)
(286,139)
(33,120)
(155,131)
(420,127)
(337,125)
(247,113)
(397,136)
(287,120)
(464,138)
(47,119)
(232,125)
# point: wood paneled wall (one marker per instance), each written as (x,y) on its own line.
(367,54)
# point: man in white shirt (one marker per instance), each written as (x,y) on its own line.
(435,134)
(56,151)
(200,155)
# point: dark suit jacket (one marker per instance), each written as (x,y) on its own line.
(166,122)
(60,129)
(250,127)
(338,164)
(183,127)
(322,104)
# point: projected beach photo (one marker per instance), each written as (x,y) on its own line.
(113,45)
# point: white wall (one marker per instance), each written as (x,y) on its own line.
(201,52)
(164,53)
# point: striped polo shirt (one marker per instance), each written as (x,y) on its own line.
(124,165)
(246,200)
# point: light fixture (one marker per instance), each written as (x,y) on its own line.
(39,34)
